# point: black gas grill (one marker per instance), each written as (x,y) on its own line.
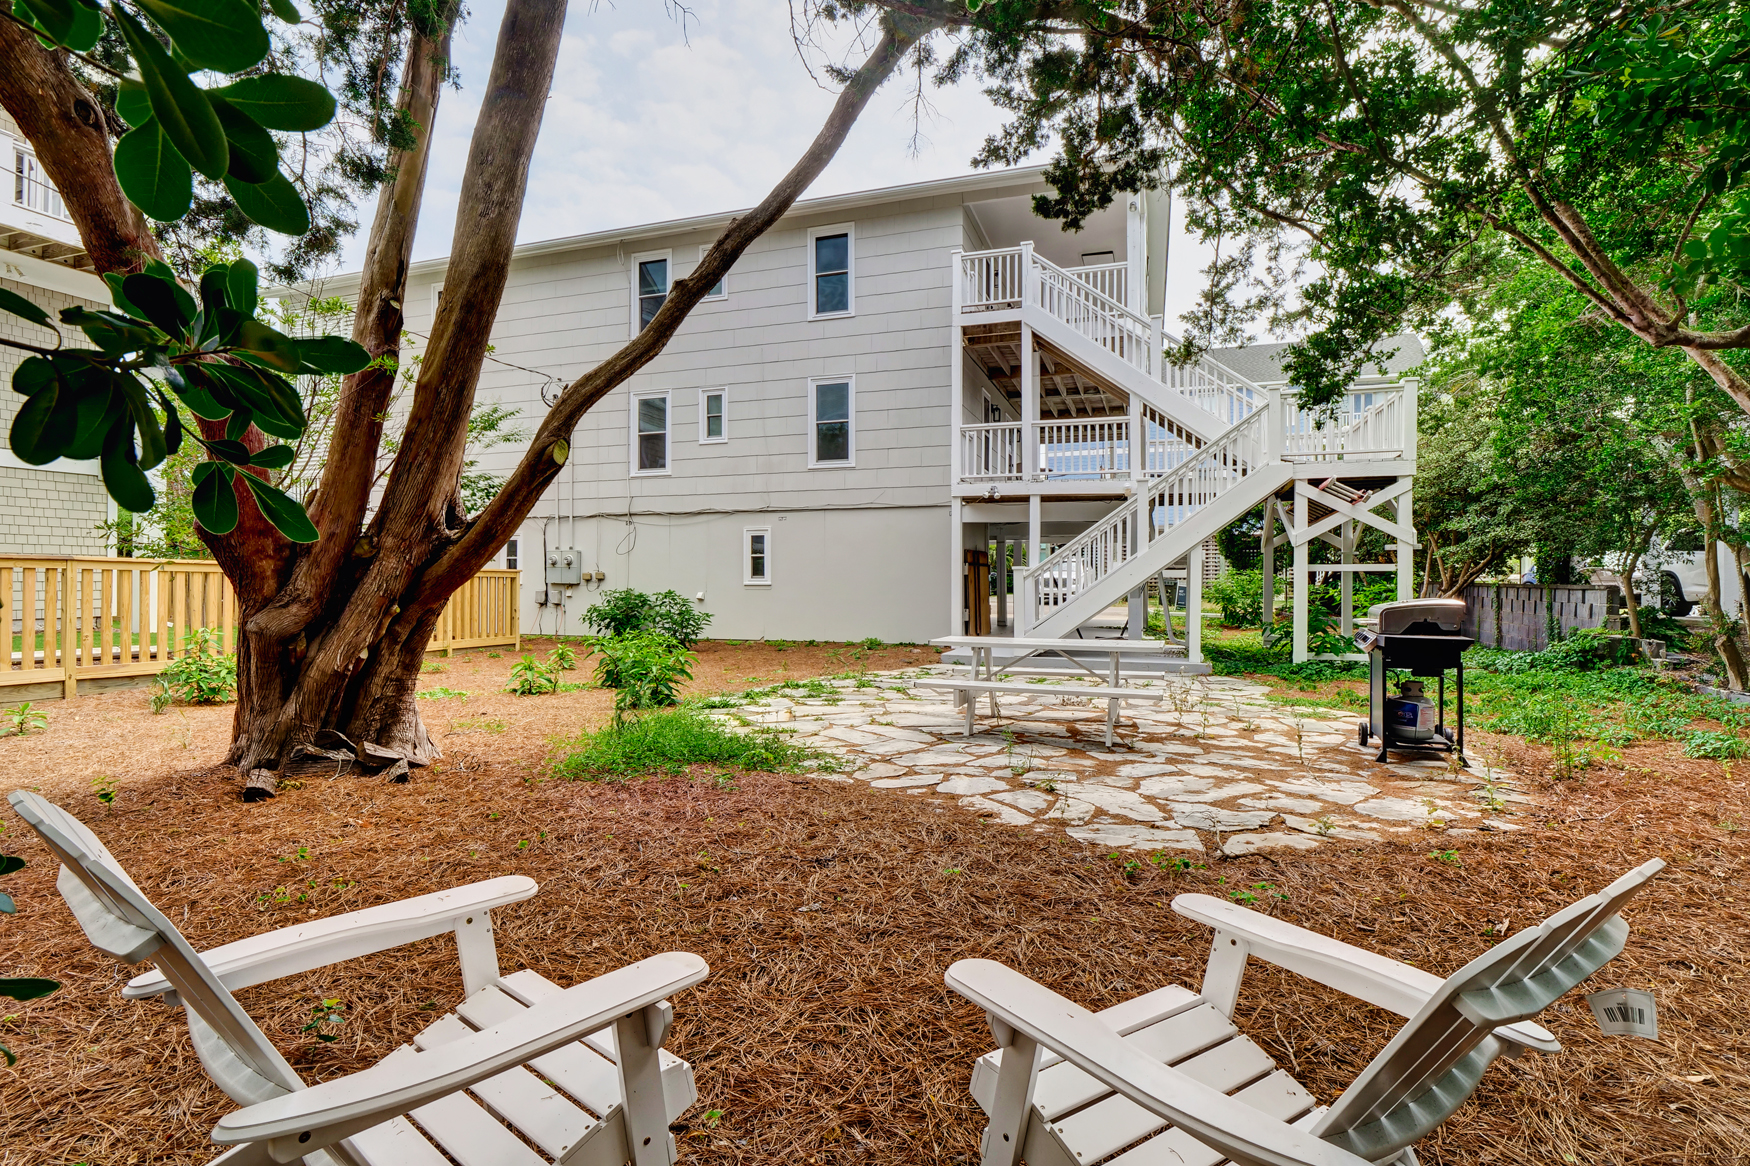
(1420,636)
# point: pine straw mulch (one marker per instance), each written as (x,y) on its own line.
(114,735)
(828,914)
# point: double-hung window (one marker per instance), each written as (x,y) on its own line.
(649,287)
(650,433)
(720,289)
(831,422)
(713,417)
(830,265)
(756,556)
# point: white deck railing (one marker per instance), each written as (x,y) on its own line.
(1111,280)
(991,453)
(1373,423)
(1005,279)
(1084,449)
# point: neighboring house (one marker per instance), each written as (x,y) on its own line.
(887,384)
(53,509)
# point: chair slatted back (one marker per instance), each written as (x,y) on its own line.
(120,921)
(1434,1063)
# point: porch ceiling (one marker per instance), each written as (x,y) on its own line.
(1066,389)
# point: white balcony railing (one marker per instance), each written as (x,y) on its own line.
(1111,280)
(991,453)
(1013,276)
(1084,449)
(1373,423)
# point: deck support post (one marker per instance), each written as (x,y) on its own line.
(1406,550)
(1002,569)
(1302,577)
(1194,604)
(957,597)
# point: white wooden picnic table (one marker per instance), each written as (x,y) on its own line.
(983,650)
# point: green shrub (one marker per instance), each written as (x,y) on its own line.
(647,668)
(204,675)
(668,613)
(669,740)
(1715,745)
(1240,595)
(530,677)
(562,659)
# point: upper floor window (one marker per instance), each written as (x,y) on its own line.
(720,289)
(32,188)
(649,287)
(830,266)
(510,555)
(831,423)
(650,433)
(712,416)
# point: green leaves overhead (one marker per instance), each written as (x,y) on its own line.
(279,102)
(152,174)
(212,357)
(178,127)
(223,35)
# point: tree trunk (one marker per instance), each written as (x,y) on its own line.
(348,631)
(65,124)
(1630,564)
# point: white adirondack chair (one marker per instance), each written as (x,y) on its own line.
(1166,1079)
(601,1092)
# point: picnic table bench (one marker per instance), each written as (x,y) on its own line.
(983,648)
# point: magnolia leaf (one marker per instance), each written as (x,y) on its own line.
(54,17)
(172,427)
(274,457)
(281,102)
(267,345)
(122,475)
(228,450)
(223,35)
(331,354)
(275,204)
(26,987)
(240,286)
(131,103)
(154,176)
(158,300)
(118,297)
(152,445)
(95,409)
(278,409)
(237,427)
(10,863)
(87,30)
(7,906)
(287,516)
(178,105)
(196,390)
(215,499)
(254,157)
(286,11)
(19,306)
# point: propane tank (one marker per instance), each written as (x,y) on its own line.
(1409,716)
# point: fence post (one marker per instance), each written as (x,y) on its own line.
(68,638)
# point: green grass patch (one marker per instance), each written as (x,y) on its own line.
(670,740)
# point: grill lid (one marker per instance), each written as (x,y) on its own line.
(1418,617)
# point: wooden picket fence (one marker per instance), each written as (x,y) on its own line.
(74,619)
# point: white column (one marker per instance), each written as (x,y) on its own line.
(1136,256)
(1194,604)
(1034,515)
(956,369)
(1406,514)
(1029,409)
(1138,445)
(1002,569)
(1302,576)
(1351,530)
(1267,553)
(956,567)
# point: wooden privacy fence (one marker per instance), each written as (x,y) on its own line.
(94,618)
(1521,616)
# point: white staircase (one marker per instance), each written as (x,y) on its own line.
(1201,447)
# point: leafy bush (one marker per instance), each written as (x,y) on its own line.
(204,675)
(562,659)
(1241,596)
(647,668)
(530,677)
(1715,745)
(670,740)
(669,613)
(22,720)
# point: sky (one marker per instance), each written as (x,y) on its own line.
(649,120)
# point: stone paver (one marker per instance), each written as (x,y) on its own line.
(1214,766)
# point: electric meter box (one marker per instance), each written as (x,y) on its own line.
(564,568)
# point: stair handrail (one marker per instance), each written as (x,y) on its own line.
(1240,396)
(1229,450)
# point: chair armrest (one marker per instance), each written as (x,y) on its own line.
(1223,1123)
(297,1123)
(320,942)
(1366,975)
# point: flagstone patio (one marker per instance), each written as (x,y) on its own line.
(1213,765)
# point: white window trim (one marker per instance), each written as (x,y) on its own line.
(722,295)
(703,440)
(632,282)
(848,230)
(632,432)
(813,463)
(747,579)
(436,297)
